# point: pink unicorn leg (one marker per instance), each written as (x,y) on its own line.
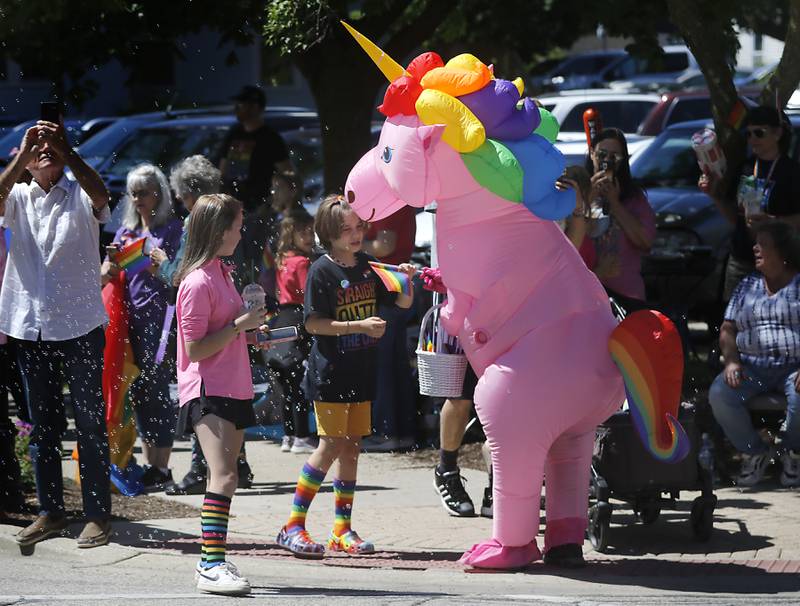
(518,467)
(567,478)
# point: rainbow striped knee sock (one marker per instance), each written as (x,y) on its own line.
(343,492)
(307,487)
(214,523)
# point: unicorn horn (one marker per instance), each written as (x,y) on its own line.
(388,66)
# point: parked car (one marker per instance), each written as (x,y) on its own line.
(99,152)
(646,72)
(621,110)
(166,142)
(686,264)
(682,106)
(599,69)
(579,71)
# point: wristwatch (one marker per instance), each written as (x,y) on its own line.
(236,329)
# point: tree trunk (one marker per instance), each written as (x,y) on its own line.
(709,34)
(787,75)
(345,85)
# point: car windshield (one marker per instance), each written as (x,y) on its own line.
(104,143)
(585,65)
(166,146)
(624,115)
(669,161)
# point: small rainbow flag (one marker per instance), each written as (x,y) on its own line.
(647,349)
(132,259)
(393,279)
(737,115)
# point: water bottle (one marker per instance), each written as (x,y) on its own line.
(254,296)
(706,455)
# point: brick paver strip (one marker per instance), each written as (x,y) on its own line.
(424,560)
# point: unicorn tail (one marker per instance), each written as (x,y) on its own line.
(648,351)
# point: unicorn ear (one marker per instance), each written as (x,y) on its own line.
(430,134)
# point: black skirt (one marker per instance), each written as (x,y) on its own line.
(238,412)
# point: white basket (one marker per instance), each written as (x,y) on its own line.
(441,375)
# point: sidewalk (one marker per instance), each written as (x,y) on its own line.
(755,531)
(397,507)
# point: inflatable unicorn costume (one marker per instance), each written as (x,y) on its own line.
(532,319)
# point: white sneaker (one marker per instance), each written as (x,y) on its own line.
(790,476)
(753,468)
(224,579)
(303,446)
(286,443)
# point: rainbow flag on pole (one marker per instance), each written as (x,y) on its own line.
(393,279)
(132,259)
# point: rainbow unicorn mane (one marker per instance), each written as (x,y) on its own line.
(505,140)
(648,351)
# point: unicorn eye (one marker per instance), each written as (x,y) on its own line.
(386,156)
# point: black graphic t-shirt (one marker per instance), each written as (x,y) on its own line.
(343,368)
(782,199)
(251,158)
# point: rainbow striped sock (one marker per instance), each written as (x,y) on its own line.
(307,487)
(343,492)
(214,522)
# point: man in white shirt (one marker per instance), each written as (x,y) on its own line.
(51,303)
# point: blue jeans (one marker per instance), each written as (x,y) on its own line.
(731,413)
(82,359)
(156,416)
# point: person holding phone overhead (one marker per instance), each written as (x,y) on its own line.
(627,226)
(50,303)
(770,179)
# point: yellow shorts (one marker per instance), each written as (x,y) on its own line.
(340,419)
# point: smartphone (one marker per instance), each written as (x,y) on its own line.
(278,335)
(111,250)
(50,111)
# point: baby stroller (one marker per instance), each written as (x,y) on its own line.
(623,470)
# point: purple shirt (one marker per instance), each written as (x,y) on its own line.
(628,281)
(146,293)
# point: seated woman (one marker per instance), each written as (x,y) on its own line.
(627,227)
(760,343)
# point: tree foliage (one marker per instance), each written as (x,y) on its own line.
(54,39)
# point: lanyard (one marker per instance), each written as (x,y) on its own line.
(769,174)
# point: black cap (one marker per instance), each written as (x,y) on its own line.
(766,115)
(251,94)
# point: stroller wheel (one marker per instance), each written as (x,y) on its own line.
(599,522)
(702,518)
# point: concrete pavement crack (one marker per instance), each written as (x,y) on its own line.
(113,562)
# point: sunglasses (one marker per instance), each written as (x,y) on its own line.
(758,133)
(604,155)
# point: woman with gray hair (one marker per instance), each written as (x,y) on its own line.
(148,214)
(191,178)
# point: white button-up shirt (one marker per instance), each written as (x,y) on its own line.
(52,279)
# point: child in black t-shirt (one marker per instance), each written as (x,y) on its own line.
(342,298)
